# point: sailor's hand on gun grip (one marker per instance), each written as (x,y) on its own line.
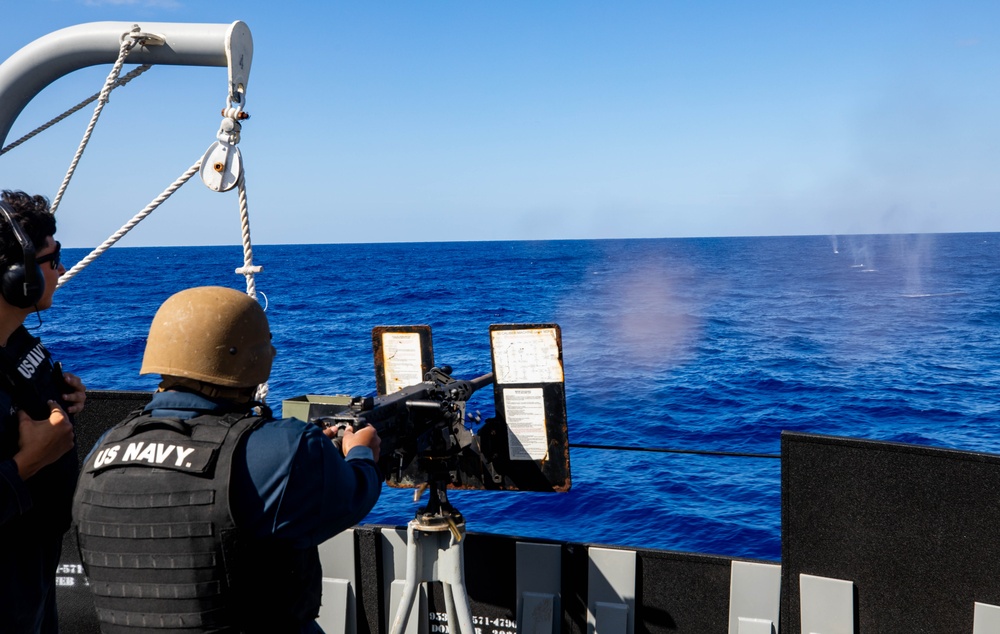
(42,442)
(365,437)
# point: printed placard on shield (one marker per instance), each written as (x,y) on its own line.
(530,397)
(403,355)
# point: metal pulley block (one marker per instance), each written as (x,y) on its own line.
(221,167)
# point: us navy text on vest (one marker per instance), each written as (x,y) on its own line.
(158,453)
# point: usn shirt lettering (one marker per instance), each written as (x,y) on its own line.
(152,453)
(31,361)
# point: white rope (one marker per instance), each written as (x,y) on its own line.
(261,395)
(248,269)
(93,255)
(89,100)
(127,44)
(129,41)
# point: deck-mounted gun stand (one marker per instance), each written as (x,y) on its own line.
(419,413)
(434,552)
(434,537)
(423,436)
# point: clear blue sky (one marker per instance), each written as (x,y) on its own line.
(485,120)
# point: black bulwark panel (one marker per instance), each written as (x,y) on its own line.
(915,528)
(675,593)
(681,592)
(104,409)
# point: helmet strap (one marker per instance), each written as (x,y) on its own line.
(235,394)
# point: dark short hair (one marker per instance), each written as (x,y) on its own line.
(35,218)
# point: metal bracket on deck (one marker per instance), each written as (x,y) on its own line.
(827,605)
(754,598)
(986,619)
(539,587)
(611,591)
(338,614)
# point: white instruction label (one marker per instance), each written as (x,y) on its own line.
(525,413)
(401,360)
(526,356)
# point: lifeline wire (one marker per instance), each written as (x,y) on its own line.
(697,452)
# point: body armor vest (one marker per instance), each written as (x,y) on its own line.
(160,546)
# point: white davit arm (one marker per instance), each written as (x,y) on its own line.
(28,71)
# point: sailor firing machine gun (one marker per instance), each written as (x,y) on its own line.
(430,443)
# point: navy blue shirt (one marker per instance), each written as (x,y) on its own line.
(34,514)
(14,497)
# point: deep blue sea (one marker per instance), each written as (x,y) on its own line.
(707,344)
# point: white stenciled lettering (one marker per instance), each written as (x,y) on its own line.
(182,453)
(162,452)
(140,451)
(148,454)
(31,361)
(132,451)
(106,456)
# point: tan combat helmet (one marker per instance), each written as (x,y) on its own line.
(212,334)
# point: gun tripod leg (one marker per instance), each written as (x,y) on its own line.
(456,598)
(424,549)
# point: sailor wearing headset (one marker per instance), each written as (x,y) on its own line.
(38,459)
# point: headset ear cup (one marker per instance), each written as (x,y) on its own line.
(12,286)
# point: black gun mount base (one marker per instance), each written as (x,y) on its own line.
(439,514)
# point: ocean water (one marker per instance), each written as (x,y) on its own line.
(713,344)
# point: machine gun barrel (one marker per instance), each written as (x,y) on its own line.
(462,390)
(481,381)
